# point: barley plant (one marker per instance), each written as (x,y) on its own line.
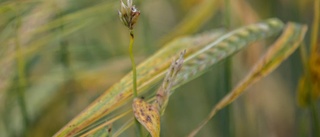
(151,68)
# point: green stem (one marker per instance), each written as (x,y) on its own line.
(134,71)
(139,128)
(228,72)
(134,79)
(311,103)
(315,118)
(228,88)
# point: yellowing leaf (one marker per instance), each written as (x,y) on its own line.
(148,115)
(315,73)
(309,84)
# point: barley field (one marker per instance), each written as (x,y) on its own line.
(151,68)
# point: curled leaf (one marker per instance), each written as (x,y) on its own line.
(148,115)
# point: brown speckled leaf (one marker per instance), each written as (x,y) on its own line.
(148,115)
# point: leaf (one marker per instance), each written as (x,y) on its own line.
(103,132)
(105,123)
(148,115)
(282,48)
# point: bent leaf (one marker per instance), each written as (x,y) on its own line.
(148,115)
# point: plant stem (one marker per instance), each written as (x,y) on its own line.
(314,50)
(134,79)
(311,103)
(138,128)
(315,118)
(227,88)
(228,73)
(134,71)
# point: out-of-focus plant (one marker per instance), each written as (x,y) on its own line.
(309,84)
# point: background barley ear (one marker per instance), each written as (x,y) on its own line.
(163,93)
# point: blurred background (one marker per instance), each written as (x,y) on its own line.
(57,56)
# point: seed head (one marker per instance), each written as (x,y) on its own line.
(128,14)
(164,91)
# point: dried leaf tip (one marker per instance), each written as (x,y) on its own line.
(173,71)
(179,62)
(128,14)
